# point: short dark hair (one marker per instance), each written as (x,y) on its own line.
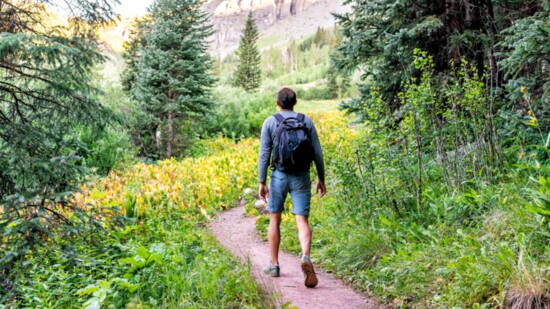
(286,98)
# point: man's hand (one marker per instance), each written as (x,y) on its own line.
(263,192)
(321,188)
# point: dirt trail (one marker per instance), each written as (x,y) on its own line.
(238,234)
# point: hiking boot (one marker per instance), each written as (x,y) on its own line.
(309,273)
(272,270)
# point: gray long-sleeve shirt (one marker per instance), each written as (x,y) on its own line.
(266,145)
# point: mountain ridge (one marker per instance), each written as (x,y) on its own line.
(280,20)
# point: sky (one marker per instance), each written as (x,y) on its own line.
(129,8)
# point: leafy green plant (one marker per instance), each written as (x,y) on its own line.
(105,150)
(239,114)
(541,198)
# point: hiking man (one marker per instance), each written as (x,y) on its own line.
(290,140)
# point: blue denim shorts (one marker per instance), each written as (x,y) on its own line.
(299,187)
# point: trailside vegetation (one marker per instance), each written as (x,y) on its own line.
(62,245)
(163,256)
(168,75)
(248,74)
(448,180)
(503,40)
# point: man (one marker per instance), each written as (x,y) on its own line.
(297,183)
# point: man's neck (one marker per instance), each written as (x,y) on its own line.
(286,110)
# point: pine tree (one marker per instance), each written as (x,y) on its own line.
(248,75)
(45,94)
(139,28)
(172,81)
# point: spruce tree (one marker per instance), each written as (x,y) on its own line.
(46,93)
(172,82)
(248,75)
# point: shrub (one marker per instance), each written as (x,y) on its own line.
(106,150)
(239,114)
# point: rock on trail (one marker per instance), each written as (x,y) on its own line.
(237,233)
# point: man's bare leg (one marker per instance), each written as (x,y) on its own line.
(304,234)
(274,236)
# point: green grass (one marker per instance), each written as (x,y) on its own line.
(268,42)
(163,262)
(477,249)
(316,106)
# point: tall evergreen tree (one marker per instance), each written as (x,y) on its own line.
(248,75)
(137,41)
(171,78)
(45,93)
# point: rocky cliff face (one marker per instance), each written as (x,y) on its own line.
(280,19)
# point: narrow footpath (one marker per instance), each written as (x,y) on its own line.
(237,233)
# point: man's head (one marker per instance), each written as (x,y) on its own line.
(286,98)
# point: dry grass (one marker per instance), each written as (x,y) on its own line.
(532,297)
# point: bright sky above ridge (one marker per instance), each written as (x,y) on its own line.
(133,7)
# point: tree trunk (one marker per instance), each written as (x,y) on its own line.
(170,135)
(158,138)
(474,23)
(495,78)
(452,12)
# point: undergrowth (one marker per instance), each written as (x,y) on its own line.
(162,256)
(483,247)
(166,262)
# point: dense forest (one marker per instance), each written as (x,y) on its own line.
(434,117)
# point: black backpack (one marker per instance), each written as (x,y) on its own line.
(292,149)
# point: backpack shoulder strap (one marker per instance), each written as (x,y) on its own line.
(301,117)
(279,118)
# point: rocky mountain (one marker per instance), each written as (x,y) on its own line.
(278,20)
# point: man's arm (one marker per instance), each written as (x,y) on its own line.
(266,145)
(319,161)
(318,154)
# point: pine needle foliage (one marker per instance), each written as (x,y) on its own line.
(248,75)
(379,38)
(169,74)
(45,94)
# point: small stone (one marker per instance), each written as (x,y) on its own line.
(259,203)
(248,191)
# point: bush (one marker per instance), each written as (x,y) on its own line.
(106,150)
(321,92)
(239,114)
